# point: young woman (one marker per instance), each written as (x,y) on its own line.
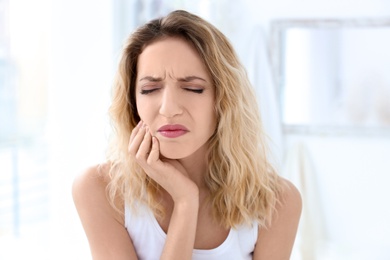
(187,175)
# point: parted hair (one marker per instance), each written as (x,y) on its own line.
(243,186)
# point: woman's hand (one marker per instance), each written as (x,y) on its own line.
(170,174)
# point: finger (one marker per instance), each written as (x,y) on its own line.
(144,148)
(136,142)
(135,130)
(154,154)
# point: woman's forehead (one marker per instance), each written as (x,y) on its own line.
(171,57)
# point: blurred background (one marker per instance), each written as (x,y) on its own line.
(319,69)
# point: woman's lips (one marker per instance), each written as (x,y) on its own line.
(172,131)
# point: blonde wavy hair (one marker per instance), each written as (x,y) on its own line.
(243,185)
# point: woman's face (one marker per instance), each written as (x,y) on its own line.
(175,97)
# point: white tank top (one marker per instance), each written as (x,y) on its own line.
(149,239)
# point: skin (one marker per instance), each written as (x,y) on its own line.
(173,87)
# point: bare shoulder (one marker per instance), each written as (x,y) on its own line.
(94,175)
(102,223)
(276,241)
(90,185)
(290,198)
(90,194)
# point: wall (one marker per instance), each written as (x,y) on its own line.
(263,12)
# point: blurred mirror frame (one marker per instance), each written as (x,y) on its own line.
(330,75)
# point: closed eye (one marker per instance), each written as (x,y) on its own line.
(198,91)
(147,91)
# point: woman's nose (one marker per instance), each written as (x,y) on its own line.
(170,103)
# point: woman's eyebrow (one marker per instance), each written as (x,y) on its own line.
(191,78)
(150,78)
(184,79)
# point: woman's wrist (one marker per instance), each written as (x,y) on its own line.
(188,195)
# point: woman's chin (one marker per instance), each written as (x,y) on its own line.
(173,153)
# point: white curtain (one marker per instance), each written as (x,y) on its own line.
(257,62)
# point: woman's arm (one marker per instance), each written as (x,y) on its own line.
(276,242)
(181,232)
(103,225)
(172,176)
